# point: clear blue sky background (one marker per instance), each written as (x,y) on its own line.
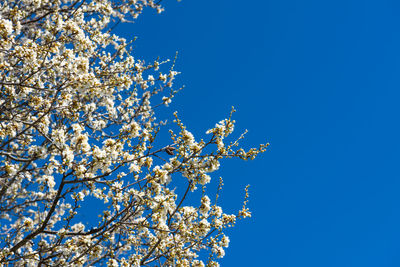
(320,81)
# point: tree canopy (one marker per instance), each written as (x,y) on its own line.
(78,124)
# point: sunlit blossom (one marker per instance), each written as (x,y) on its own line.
(87,175)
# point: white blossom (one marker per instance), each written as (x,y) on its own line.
(88,174)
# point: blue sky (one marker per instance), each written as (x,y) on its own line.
(320,81)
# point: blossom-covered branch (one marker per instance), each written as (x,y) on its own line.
(78,123)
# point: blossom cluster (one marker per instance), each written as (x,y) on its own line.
(78,122)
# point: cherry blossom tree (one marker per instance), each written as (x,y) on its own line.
(78,125)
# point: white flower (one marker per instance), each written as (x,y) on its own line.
(77,128)
(133,167)
(112,263)
(6,27)
(225,241)
(68,155)
(197,263)
(205,205)
(219,251)
(187,137)
(166,100)
(99,154)
(50,180)
(78,227)
(81,196)
(204,179)
(11,169)
(28,222)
